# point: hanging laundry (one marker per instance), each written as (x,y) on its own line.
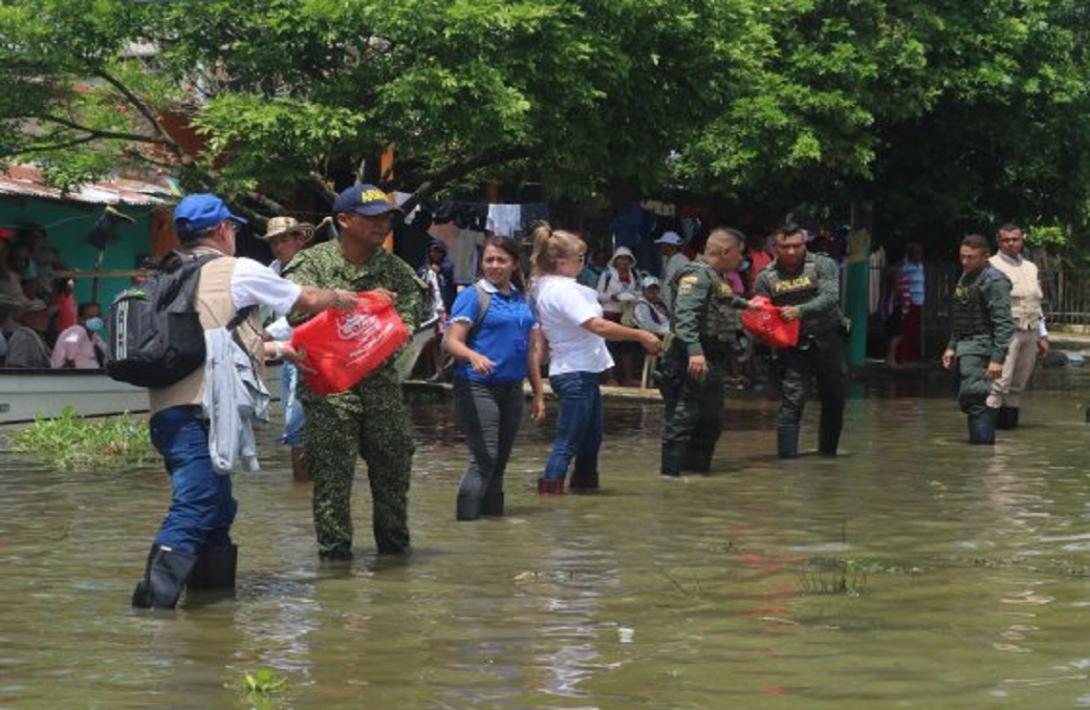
(504,219)
(464,255)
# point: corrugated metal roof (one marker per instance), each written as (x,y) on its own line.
(27,181)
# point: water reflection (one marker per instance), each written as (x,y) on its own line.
(911,569)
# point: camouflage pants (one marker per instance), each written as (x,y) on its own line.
(370,419)
(974,385)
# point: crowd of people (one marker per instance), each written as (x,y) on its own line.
(501,332)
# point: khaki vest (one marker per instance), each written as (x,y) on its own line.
(216,308)
(1026,295)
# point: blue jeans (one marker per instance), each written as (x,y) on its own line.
(293,408)
(201,506)
(578,426)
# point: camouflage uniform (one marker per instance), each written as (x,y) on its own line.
(814,287)
(370,418)
(703,323)
(981,331)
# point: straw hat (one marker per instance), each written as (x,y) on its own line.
(279,226)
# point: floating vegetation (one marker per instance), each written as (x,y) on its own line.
(833,576)
(261,687)
(72,442)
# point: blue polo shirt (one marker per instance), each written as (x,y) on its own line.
(503,336)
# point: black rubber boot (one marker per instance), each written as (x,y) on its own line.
(1007,418)
(583,483)
(829,433)
(787,442)
(492,504)
(467,508)
(167,572)
(671,460)
(337,554)
(982,427)
(698,459)
(215,568)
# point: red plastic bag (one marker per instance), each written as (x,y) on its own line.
(343,347)
(768,325)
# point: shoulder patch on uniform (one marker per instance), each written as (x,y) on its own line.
(688,280)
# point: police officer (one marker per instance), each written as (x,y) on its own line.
(807,288)
(370,419)
(981,330)
(705,329)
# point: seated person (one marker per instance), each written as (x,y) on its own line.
(650,313)
(79,346)
(26,349)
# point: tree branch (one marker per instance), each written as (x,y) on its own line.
(100,133)
(142,107)
(48,147)
(454,172)
(266,203)
(318,182)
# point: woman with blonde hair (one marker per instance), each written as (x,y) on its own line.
(571,320)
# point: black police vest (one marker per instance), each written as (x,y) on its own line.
(797,290)
(969,314)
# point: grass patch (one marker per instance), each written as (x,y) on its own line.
(71,442)
(260,688)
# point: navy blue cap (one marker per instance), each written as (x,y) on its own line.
(364,199)
(195,213)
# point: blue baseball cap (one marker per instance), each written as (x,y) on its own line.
(364,199)
(195,213)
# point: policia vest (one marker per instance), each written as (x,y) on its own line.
(969,316)
(799,289)
(719,322)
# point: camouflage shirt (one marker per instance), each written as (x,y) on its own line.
(324,266)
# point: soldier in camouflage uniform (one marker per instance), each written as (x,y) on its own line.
(807,288)
(981,331)
(704,331)
(370,418)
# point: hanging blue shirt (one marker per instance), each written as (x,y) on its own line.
(503,336)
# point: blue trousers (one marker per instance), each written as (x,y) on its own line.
(578,426)
(201,506)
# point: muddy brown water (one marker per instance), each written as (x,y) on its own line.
(912,571)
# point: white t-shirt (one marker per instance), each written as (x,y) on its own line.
(254,284)
(563,305)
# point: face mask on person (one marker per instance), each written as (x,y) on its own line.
(94,324)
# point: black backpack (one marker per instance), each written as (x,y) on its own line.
(156,338)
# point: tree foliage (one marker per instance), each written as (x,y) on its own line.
(944,114)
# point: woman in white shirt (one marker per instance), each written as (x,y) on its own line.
(571,320)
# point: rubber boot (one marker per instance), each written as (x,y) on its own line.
(492,504)
(583,483)
(166,575)
(982,427)
(215,568)
(1007,418)
(467,508)
(787,442)
(829,434)
(550,486)
(698,459)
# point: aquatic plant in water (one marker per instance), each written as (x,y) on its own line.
(260,686)
(71,441)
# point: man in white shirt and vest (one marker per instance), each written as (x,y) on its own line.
(1030,335)
(193,547)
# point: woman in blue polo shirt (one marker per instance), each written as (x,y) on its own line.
(494,335)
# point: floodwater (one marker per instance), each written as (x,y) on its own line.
(912,571)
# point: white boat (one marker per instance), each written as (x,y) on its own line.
(26,395)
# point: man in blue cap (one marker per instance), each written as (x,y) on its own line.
(193,547)
(370,418)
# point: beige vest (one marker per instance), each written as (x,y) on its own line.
(216,309)
(1026,295)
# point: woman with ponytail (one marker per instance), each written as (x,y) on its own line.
(571,320)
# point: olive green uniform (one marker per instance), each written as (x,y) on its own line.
(981,331)
(703,323)
(370,418)
(815,288)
